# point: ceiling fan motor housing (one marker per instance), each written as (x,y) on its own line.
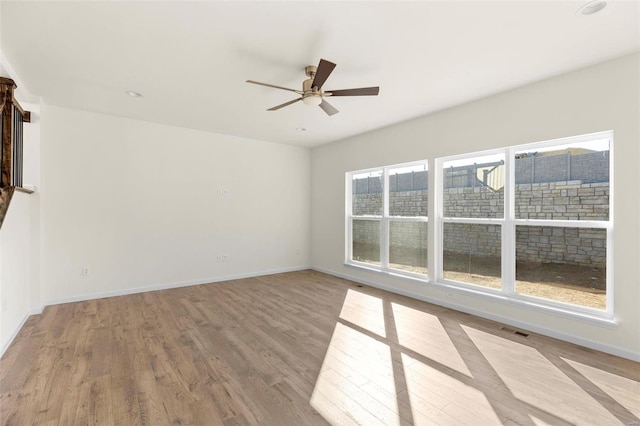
(306,86)
(310,96)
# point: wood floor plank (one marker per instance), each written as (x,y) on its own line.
(301,348)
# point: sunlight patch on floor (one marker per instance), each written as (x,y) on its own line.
(444,399)
(365,311)
(625,392)
(533,379)
(424,334)
(357,378)
(539,422)
(389,364)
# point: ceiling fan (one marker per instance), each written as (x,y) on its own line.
(312,93)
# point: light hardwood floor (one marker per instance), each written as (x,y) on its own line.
(296,349)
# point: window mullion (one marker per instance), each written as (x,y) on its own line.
(563,223)
(384,222)
(349,222)
(609,261)
(435,226)
(509,229)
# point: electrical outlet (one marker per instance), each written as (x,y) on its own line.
(84,271)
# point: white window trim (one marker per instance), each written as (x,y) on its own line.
(507,294)
(384,220)
(508,232)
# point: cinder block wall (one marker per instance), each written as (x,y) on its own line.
(548,198)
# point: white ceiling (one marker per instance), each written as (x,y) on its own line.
(191,59)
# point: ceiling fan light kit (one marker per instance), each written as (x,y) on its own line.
(312,93)
(591,7)
(312,100)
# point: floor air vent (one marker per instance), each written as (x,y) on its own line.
(519,333)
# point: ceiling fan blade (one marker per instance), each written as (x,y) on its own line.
(322,73)
(364,91)
(284,104)
(275,87)
(328,108)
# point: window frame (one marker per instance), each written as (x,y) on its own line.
(441,220)
(508,229)
(385,219)
(507,293)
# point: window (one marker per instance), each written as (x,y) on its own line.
(473,211)
(531,222)
(561,209)
(387,219)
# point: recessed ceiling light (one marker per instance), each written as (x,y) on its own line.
(301,129)
(591,7)
(133,94)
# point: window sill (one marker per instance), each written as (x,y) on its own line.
(25,190)
(390,272)
(595,318)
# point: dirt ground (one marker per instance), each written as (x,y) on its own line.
(578,285)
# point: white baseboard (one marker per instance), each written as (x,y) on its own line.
(166,286)
(124,292)
(16,330)
(613,350)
